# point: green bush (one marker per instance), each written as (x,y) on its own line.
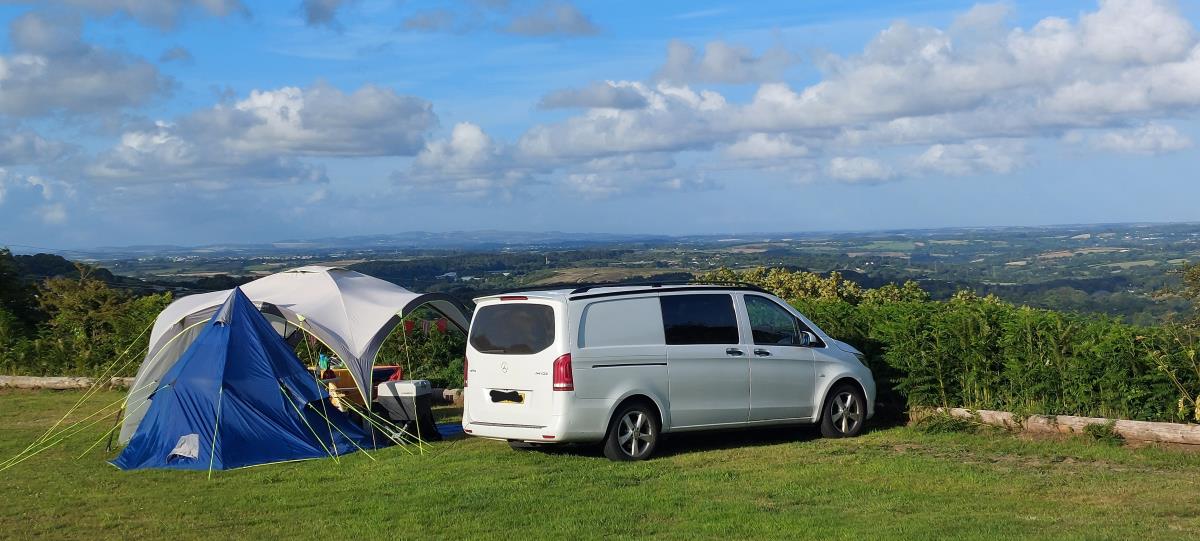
(983,353)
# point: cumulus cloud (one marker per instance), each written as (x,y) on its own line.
(468,162)
(859,170)
(974,157)
(766,146)
(163,14)
(966,95)
(606,185)
(53,70)
(27,147)
(1149,139)
(674,118)
(263,136)
(168,153)
(607,95)
(723,63)
(37,189)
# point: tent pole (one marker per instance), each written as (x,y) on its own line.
(116,422)
(212,454)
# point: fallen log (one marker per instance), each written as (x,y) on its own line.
(1144,431)
(59,383)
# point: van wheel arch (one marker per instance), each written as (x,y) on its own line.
(825,394)
(642,399)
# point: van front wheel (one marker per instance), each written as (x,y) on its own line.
(633,433)
(844,412)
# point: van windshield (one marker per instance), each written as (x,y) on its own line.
(512,329)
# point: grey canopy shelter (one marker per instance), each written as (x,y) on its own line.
(348,311)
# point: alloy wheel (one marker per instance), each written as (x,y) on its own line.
(635,434)
(846,412)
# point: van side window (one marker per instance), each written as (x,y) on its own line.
(512,329)
(699,319)
(771,324)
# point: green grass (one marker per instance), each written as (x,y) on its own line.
(894,483)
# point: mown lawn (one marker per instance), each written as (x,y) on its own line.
(893,483)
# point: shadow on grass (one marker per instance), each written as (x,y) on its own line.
(712,440)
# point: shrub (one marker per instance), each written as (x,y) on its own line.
(983,353)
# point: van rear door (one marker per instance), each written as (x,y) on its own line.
(511,350)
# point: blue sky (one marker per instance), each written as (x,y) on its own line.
(196,122)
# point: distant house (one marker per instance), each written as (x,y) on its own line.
(450,275)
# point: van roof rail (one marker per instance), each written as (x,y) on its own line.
(716,283)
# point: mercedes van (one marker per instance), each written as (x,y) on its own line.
(623,365)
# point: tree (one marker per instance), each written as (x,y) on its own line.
(17,297)
(90,325)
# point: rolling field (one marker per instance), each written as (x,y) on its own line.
(891,483)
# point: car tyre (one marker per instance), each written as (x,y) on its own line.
(633,433)
(844,412)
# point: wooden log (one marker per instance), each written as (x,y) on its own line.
(1146,431)
(59,383)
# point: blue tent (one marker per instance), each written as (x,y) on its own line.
(238,397)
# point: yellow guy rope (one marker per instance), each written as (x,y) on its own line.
(96,385)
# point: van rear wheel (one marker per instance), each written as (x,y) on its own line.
(633,433)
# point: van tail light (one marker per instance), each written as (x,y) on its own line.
(564,380)
(464,371)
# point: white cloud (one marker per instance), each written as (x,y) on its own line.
(723,63)
(321,120)
(974,157)
(39,188)
(468,162)
(859,170)
(970,94)
(263,137)
(608,95)
(53,70)
(613,184)
(27,147)
(765,146)
(674,118)
(1149,139)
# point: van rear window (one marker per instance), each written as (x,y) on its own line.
(512,329)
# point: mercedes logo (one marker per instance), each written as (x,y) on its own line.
(504,367)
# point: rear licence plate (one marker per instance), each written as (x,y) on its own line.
(508,397)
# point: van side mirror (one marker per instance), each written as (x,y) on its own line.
(807,338)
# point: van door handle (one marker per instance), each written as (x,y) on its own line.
(734,352)
(762,352)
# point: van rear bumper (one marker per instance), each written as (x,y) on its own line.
(586,423)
